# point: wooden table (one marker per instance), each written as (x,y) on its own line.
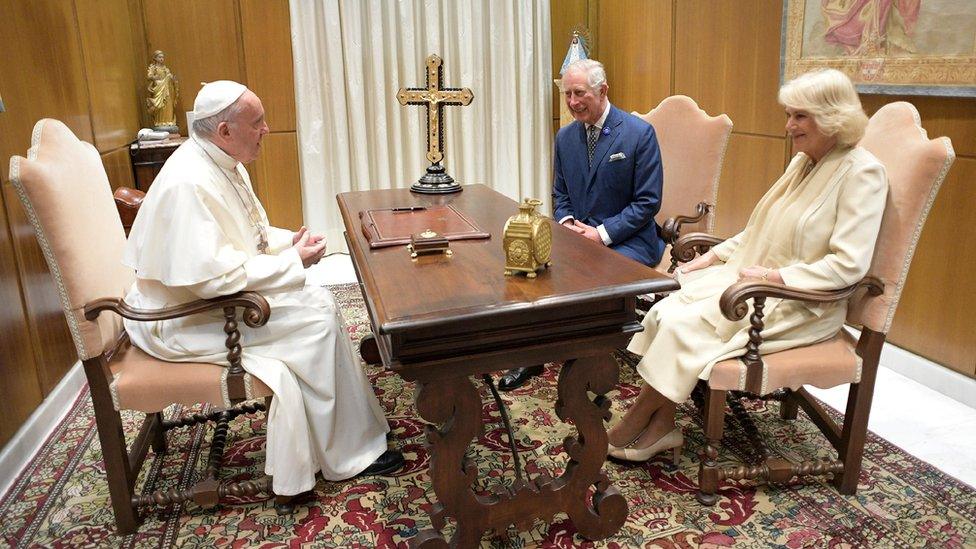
(440,319)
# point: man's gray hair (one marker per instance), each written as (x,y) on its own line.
(593,69)
(207,127)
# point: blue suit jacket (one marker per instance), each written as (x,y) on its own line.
(623,194)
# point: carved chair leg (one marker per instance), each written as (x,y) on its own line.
(159,436)
(859,397)
(853,437)
(369,351)
(120,477)
(708,469)
(788,407)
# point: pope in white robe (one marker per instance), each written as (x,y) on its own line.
(201,233)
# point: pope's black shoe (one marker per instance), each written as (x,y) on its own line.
(285,505)
(389,461)
(517,377)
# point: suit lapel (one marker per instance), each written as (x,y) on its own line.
(575,161)
(614,119)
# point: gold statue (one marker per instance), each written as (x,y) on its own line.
(164,91)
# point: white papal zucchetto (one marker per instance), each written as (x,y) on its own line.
(215,97)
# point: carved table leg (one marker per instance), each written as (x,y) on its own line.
(458,410)
(588,451)
(454,407)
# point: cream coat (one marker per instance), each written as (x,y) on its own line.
(197,236)
(817,225)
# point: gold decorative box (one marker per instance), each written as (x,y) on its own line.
(527,241)
(428,242)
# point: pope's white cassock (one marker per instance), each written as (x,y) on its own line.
(196,236)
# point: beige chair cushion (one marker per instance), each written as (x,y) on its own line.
(149,385)
(692,149)
(68,200)
(916,167)
(826,364)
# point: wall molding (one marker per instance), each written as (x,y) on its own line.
(20,449)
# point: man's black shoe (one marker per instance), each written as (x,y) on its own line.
(517,377)
(389,461)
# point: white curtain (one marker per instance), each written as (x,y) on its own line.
(352,56)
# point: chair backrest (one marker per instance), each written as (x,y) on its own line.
(68,200)
(692,149)
(916,167)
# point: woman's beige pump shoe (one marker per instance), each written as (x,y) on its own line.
(674,441)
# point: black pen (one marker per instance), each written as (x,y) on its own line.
(408,209)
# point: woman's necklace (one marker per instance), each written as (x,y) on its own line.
(252,211)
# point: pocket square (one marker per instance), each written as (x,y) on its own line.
(617,156)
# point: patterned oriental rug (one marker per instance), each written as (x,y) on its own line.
(61,499)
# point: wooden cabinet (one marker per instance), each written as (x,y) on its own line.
(148,158)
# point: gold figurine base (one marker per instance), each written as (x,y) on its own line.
(529,273)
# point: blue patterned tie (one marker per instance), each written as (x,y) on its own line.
(592,134)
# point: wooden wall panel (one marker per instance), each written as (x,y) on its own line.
(565,15)
(54,352)
(20,390)
(106,41)
(635,46)
(277,180)
(118,166)
(139,58)
(42,74)
(727,59)
(201,41)
(266,31)
(935,314)
(752,164)
(40,77)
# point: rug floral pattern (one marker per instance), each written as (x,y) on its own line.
(61,499)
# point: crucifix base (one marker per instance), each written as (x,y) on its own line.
(436,181)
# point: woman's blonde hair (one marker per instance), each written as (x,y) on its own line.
(828,95)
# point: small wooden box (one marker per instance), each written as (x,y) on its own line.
(428,242)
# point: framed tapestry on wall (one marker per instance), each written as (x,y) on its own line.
(908,47)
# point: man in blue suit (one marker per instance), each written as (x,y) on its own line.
(607,177)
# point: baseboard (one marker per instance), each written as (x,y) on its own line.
(923,371)
(21,448)
(943,380)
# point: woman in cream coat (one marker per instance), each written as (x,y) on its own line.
(815,229)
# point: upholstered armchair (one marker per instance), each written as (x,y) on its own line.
(67,197)
(127,202)
(692,150)
(916,167)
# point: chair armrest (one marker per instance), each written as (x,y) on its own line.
(256,314)
(256,308)
(734,307)
(733,301)
(688,246)
(671,229)
(127,202)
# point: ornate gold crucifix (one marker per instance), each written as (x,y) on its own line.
(434,97)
